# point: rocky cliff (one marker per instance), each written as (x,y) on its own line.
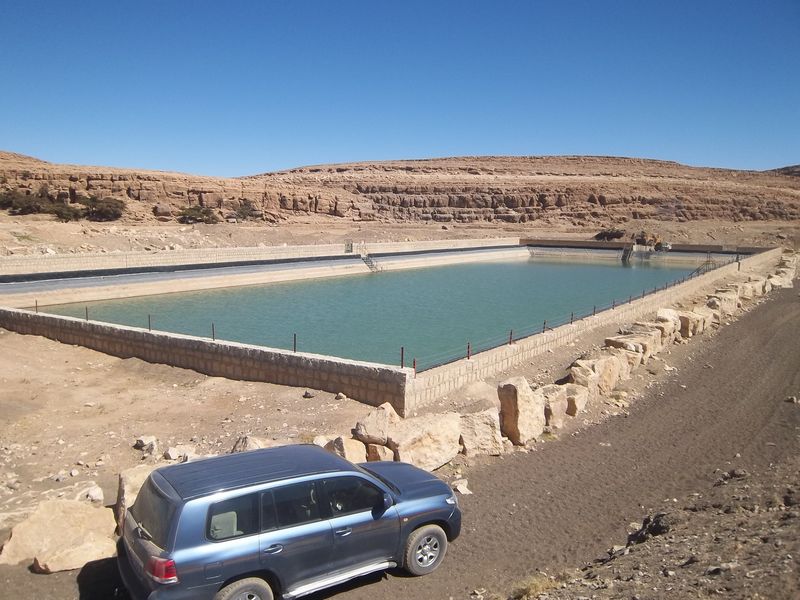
(577,190)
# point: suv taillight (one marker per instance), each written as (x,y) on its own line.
(162,570)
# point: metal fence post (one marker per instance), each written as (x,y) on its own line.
(402,357)
(213,332)
(149,323)
(415,368)
(36,302)
(510,337)
(469,350)
(87,313)
(544,325)
(571,317)
(294,342)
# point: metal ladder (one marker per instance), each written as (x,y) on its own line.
(370,263)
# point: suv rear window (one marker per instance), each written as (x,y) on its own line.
(153,512)
(233,518)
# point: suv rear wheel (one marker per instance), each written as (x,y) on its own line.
(251,588)
(425,550)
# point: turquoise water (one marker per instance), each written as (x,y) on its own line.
(434,312)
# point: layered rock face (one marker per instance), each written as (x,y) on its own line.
(577,190)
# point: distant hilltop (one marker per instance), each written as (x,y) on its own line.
(577,190)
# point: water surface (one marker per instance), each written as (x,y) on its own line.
(433,312)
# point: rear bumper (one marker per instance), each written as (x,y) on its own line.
(132,583)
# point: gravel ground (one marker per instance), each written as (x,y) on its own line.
(568,501)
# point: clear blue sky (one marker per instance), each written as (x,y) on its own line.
(237,88)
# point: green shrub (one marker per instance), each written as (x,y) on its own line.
(67,212)
(198,214)
(246,209)
(103,209)
(94,209)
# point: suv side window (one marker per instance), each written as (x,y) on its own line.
(296,504)
(232,518)
(348,495)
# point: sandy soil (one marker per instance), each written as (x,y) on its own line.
(552,509)
(37,234)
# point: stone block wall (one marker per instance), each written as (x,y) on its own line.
(431,385)
(369,383)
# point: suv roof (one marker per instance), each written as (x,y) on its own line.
(198,478)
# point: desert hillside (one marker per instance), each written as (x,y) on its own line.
(568,190)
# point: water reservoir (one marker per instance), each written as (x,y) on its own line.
(432,312)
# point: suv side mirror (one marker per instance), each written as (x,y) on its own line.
(388,501)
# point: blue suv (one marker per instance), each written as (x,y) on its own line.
(281,522)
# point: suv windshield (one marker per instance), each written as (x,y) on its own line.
(153,512)
(383,480)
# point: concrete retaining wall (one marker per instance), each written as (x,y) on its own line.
(61,263)
(369,383)
(431,385)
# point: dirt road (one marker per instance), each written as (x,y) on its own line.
(567,502)
(573,499)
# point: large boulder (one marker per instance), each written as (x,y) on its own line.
(650,331)
(379,453)
(625,358)
(374,428)
(61,535)
(427,442)
(480,433)
(581,373)
(608,370)
(643,345)
(708,315)
(129,483)
(555,404)
(521,411)
(349,449)
(577,398)
(726,300)
(691,323)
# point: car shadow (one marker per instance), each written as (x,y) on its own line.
(360,583)
(100,580)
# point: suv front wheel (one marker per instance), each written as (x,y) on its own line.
(425,550)
(251,588)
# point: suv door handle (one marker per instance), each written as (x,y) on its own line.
(274,549)
(344,531)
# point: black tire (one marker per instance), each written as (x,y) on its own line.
(251,588)
(425,550)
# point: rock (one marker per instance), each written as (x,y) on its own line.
(460,485)
(322,440)
(555,404)
(624,358)
(427,442)
(582,373)
(726,301)
(374,428)
(691,323)
(147,444)
(308,394)
(340,396)
(249,442)
(94,494)
(179,452)
(480,433)
(61,535)
(793,400)
(577,398)
(162,210)
(379,453)
(128,486)
(608,370)
(349,449)
(521,411)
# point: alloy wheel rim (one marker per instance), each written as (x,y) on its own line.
(427,551)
